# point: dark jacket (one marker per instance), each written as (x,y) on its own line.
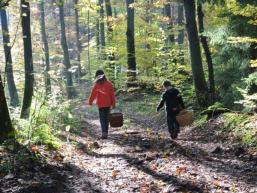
(172,100)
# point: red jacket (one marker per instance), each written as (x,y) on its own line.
(104,95)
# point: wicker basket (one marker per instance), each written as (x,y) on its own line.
(116,119)
(185,118)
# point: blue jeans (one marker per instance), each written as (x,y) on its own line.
(104,119)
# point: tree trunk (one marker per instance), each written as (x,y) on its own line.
(69,84)
(131,43)
(45,48)
(115,12)
(102,33)
(29,76)
(88,42)
(77,36)
(98,33)
(167,13)
(111,56)
(181,34)
(201,88)
(6,129)
(108,8)
(207,52)
(14,99)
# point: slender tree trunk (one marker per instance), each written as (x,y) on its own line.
(88,42)
(195,54)
(131,43)
(253,55)
(207,52)
(111,56)
(148,17)
(167,13)
(45,48)
(102,31)
(77,36)
(69,83)
(6,129)
(8,59)
(98,31)
(29,76)
(115,12)
(181,34)
(108,8)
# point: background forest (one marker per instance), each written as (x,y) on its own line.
(51,49)
(54,47)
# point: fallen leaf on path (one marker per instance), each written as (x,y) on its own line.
(153,167)
(216,183)
(145,188)
(34,148)
(137,148)
(114,174)
(180,170)
(122,186)
(9,176)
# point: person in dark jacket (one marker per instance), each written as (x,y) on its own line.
(103,93)
(174,103)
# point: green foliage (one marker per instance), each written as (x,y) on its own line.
(249,94)
(143,104)
(47,120)
(242,126)
(233,120)
(200,120)
(215,109)
(5,168)
(251,83)
(231,29)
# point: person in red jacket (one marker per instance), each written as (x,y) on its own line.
(103,93)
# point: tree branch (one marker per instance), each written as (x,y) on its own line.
(4,3)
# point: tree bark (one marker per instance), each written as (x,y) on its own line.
(111,56)
(207,52)
(98,31)
(88,42)
(29,76)
(167,13)
(6,128)
(115,12)
(181,34)
(108,8)
(77,36)
(131,43)
(45,48)
(102,31)
(14,99)
(69,83)
(200,84)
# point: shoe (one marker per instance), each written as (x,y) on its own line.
(174,135)
(104,136)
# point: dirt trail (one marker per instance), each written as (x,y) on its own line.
(139,159)
(136,159)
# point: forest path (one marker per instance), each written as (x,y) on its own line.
(141,159)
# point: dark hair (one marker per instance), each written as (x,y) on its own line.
(99,72)
(101,79)
(166,83)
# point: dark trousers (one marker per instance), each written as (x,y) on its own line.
(104,119)
(173,125)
